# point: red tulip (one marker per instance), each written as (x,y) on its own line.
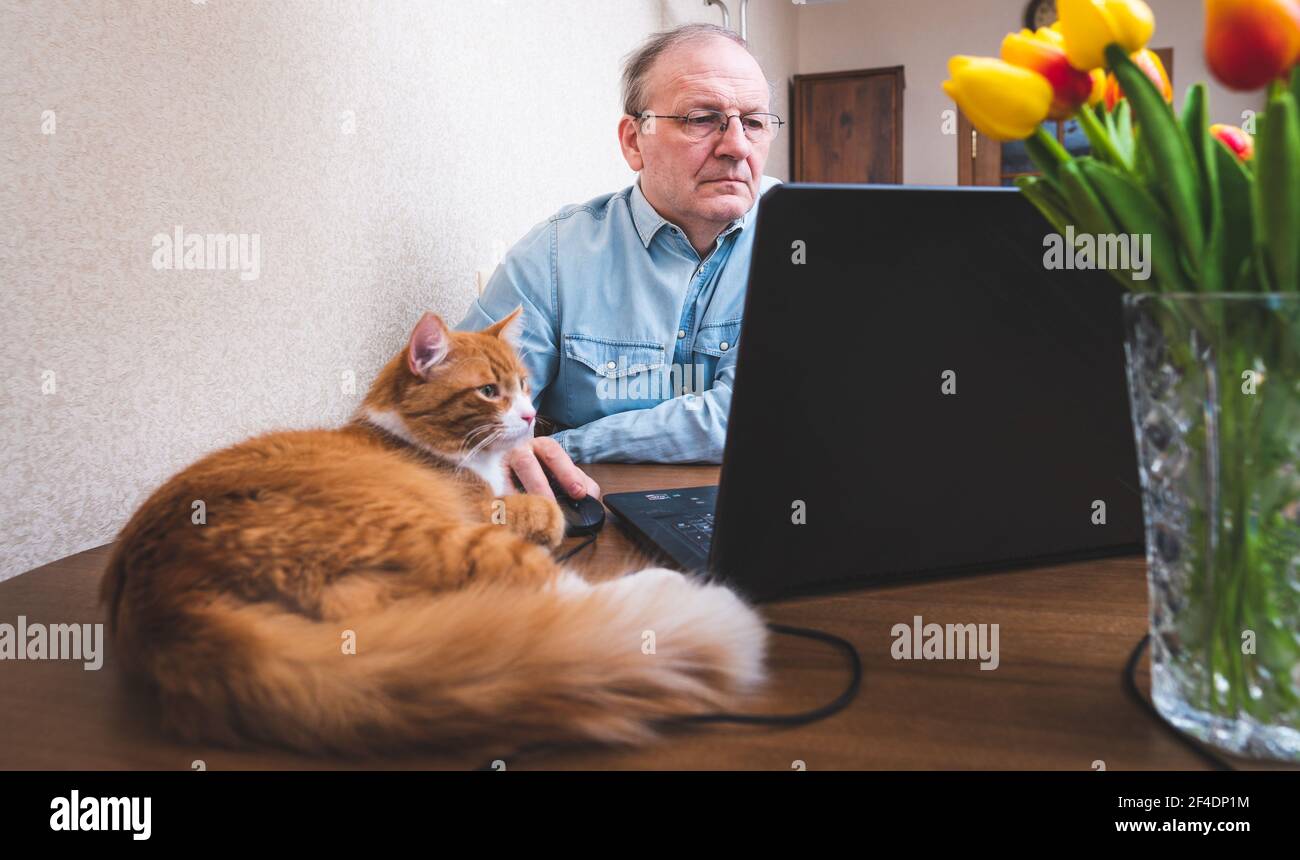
(1149,62)
(1241,144)
(1250,42)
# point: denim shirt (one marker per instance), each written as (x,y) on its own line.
(629,337)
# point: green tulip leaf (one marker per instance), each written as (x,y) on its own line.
(1244,282)
(1137,212)
(1196,126)
(1120,122)
(1236,190)
(1047,154)
(1047,201)
(1103,146)
(1171,155)
(1089,212)
(1277,192)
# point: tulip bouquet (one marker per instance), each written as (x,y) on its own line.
(1223,212)
(1213,334)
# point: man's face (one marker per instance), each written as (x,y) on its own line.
(710,181)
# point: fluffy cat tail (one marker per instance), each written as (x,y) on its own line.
(570,661)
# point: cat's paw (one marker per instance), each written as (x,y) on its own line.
(535,518)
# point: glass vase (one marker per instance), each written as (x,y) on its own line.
(1214,388)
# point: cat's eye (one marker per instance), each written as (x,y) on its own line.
(488,390)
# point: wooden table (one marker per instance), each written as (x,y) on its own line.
(1055,701)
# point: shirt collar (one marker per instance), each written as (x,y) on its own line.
(648,221)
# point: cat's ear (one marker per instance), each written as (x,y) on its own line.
(430,343)
(509,327)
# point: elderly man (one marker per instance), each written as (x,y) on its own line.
(632,301)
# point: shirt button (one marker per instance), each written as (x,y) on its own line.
(723,346)
(681,333)
(611,365)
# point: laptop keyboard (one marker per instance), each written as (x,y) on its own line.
(697,528)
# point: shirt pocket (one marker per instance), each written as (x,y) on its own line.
(712,342)
(717,339)
(611,375)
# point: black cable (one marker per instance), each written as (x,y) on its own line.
(797,719)
(1131,687)
(577,549)
(840,703)
(850,692)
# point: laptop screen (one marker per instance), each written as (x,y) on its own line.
(916,392)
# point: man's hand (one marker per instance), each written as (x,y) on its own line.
(527,461)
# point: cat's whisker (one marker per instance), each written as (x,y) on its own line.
(475,431)
(472,433)
(487,440)
(465,443)
(467,461)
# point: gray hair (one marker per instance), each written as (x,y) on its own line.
(637,65)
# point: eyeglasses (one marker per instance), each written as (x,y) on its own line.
(699,124)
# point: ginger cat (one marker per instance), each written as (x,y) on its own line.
(399,532)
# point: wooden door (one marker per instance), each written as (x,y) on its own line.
(848,126)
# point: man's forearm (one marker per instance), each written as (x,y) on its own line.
(691,428)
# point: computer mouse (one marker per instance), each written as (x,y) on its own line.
(584,516)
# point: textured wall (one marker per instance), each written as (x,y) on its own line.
(381,152)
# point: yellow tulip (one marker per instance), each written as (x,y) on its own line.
(1098,86)
(1002,101)
(1050,34)
(1044,52)
(1090,25)
(1134,23)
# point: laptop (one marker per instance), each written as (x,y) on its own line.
(919,397)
